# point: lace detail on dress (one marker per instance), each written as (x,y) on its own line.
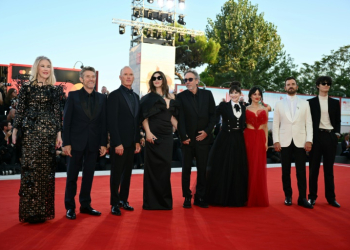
(256,120)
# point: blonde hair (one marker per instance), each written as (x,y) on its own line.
(34,72)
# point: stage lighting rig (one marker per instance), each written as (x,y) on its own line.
(121,29)
(192,40)
(181,37)
(181,20)
(182,4)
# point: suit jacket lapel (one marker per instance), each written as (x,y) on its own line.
(97,105)
(136,105)
(297,109)
(287,109)
(127,100)
(83,103)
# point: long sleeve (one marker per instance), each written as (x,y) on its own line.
(212,118)
(67,120)
(308,122)
(57,107)
(104,136)
(112,118)
(181,127)
(21,106)
(276,125)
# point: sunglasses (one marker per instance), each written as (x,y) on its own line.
(157,78)
(325,83)
(188,80)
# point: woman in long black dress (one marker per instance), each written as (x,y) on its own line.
(227,164)
(38,116)
(157,110)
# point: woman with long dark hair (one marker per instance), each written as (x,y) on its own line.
(227,164)
(256,141)
(157,110)
(39,117)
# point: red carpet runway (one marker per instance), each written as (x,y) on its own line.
(274,227)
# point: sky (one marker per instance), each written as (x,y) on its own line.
(71,31)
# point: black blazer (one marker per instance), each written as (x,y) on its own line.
(343,146)
(192,120)
(229,120)
(334,115)
(78,128)
(123,122)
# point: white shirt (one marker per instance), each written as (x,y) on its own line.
(236,113)
(325,122)
(292,103)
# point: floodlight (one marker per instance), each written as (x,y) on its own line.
(181,20)
(192,40)
(159,34)
(150,1)
(121,29)
(136,12)
(169,18)
(161,3)
(170,3)
(181,37)
(182,4)
(169,36)
(149,33)
(135,31)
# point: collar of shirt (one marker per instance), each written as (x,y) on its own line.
(233,103)
(129,91)
(291,98)
(92,94)
(323,98)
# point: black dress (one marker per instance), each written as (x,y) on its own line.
(227,165)
(39,118)
(156,183)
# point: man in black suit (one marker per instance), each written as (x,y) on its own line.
(84,135)
(196,122)
(123,125)
(325,112)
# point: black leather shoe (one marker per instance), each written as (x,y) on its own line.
(71,214)
(116,211)
(200,202)
(187,202)
(312,202)
(126,206)
(89,210)
(305,203)
(334,203)
(288,201)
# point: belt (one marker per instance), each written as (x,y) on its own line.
(325,130)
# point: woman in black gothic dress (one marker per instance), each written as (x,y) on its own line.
(157,110)
(38,117)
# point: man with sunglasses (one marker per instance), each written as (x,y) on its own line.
(325,112)
(196,122)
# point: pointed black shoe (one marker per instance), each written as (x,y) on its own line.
(89,210)
(116,211)
(71,214)
(200,203)
(312,202)
(334,203)
(288,201)
(187,202)
(305,203)
(126,206)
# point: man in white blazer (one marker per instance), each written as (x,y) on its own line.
(292,136)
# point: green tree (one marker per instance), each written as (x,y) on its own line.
(335,65)
(248,43)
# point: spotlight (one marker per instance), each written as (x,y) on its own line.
(135,31)
(161,3)
(169,36)
(150,1)
(149,33)
(181,20)
(149,14)
(162,16)
(159,34)
(169,19)
(170,4)
(182,4)
(192,40)
(181,37)
(136,12)
(121,29)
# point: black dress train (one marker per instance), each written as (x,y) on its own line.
(39,118)
(156,183)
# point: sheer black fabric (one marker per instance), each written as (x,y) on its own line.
(156,185)
(39,117)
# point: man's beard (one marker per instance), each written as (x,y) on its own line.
(291,91)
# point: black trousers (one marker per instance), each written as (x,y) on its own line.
(325,146)
(299,154)
(121,168)
(201,153)
(87,160)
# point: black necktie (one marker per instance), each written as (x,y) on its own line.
(237,107)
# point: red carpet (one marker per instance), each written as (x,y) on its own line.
(274,227)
